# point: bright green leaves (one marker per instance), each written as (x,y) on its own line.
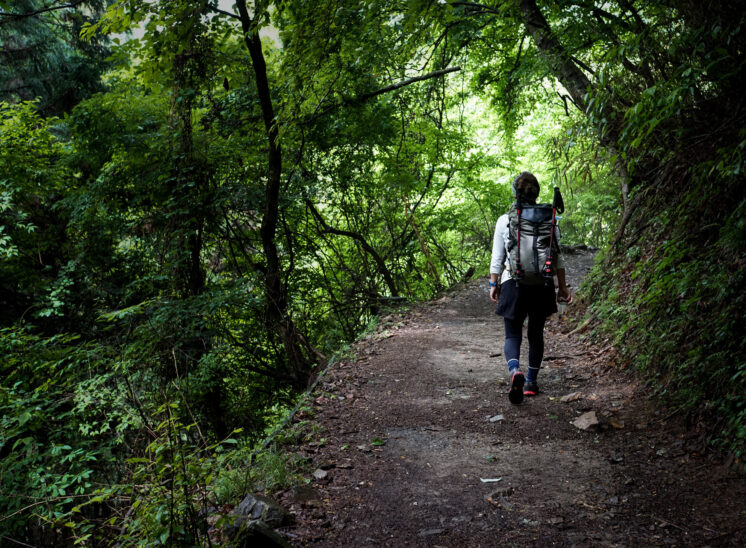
(119,18)
(136,221)
(33,178)
(29,153)
(63,415)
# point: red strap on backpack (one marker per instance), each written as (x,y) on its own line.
(519,266)
(548,262)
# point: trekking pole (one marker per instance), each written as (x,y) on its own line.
(558,203)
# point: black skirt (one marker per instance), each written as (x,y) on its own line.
(518,301)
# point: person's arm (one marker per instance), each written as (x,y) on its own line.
(563,293)
(494,287)
(498,258)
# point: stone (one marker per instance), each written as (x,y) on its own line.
(257,534)
(255,508)
(570,397)
(497,418)
(320,474)
(586,421)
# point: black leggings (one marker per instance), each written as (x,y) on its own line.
(514,334)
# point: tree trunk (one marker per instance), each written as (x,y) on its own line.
(187,67)
(423,246)
(577,85)
(300,354)
(380,263)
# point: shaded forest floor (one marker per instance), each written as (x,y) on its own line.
(413,423)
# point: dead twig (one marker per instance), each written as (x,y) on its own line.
(583,326)
(669,523)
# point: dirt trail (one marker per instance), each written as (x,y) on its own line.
(410,430)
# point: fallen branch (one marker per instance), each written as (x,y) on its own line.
(669,523)
(582,327)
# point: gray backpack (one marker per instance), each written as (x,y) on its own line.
(532,246)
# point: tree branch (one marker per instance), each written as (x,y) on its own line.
(582,65)
(223,12)
(393,87)
(41,10)
(480,7)
(627,6)
(401,84)
(603,14)
(363,243)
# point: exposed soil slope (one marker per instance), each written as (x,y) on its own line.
(411,429)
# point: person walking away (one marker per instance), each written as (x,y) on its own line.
(525,288)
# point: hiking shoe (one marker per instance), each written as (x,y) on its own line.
(516,388)
(530,388)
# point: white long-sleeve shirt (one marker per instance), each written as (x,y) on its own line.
(500,264)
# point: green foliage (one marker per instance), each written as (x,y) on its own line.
(672,294)
(65,423)
(140,272)
(43,57)
(171,483)
(585,174)
(674,303)
(32,176)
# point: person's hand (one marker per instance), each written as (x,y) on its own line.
(495,293)
(564,296)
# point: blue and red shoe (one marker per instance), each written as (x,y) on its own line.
(516,388)
(530,388)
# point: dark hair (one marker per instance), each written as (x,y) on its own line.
(526,188)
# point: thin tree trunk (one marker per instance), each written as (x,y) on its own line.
(423,246)
(186,68)
(380,263)
(300,354)
(576,83)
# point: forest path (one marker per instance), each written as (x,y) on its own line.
(411,429)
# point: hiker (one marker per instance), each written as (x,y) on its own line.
(519,292)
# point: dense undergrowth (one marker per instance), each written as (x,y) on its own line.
(671,289)
(672,297)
